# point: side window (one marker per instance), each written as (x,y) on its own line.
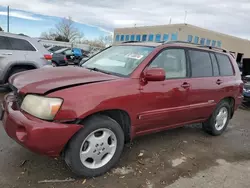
(20,44)
(165,37)
(219,44)
(144,37)
(215,65)
(173,61)
(225,65)
(174,36)
(4,44)
(157,37)
(151,37)
(138,37)
(202,42)
(190,38)
(213,43)
(196,40)
(208,42)
(122,37)
(117,37)
(132,37)
(127,38)
(200,64)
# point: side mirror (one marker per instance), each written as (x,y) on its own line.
(155,74)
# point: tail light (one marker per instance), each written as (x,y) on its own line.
(65,59)
(48,56)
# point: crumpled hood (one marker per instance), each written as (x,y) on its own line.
(43,80)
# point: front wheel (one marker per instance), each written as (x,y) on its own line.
(96,148)
(219,120)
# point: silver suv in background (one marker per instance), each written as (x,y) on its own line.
(20,53)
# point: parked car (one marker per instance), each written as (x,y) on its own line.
(246,90)
(86,114)
(59,58)
(20,53)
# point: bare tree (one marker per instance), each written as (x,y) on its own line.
(106,40)
(65,30)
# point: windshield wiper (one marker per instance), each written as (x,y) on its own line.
(97,70)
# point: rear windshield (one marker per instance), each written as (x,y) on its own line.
(119,60)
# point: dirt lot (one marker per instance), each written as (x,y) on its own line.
(184,157)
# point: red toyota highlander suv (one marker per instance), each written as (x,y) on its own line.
(86,114)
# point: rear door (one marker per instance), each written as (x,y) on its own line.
(22,49)
(205,84)
(227,81)
(8,55)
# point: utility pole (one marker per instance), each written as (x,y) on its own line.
(8,19)
(185,18)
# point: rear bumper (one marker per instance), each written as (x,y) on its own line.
(42,137)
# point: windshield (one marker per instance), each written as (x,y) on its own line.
(119,60)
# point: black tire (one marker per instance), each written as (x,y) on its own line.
(209,125)
(54,64)
(72,155)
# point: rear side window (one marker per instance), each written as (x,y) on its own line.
(20,44)
(225,65)
(4,44)
(215,65)
(201,65)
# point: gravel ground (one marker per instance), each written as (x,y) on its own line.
(184,157)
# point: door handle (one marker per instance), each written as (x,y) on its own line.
(218,82)
(6,54)
(185,85)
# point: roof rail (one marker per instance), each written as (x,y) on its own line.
(198,45)
(130,41)
(211,47)
(178,41)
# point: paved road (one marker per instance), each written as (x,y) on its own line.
(184,157)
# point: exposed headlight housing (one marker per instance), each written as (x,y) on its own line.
(41,107)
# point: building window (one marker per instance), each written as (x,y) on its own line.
(157,37)
(196,40)
(132,37)
(138,37)
(213,43)
(219,44)
(202,42)
(144,37)
(151,37)
(165,37)
(127,38)
(122,37)
(174,36)
(208,42)
(117,37)
(190,38)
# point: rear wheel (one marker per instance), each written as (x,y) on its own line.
(219,120)
(96,148)
(54,64)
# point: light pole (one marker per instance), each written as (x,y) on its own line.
(8,19)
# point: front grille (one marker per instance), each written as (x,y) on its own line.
(18,97)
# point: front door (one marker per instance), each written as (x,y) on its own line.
(165,103)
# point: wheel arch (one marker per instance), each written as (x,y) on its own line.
(120,116)
(231,101)
(13,66)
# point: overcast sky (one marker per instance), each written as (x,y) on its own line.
(227,16)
